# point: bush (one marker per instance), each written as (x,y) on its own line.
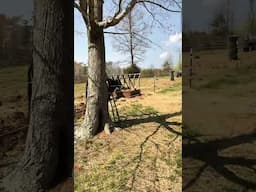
(147,73)
(132,69)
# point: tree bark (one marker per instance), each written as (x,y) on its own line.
(96,114)
(131,38)
(48,156)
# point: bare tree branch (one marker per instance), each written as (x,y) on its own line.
(119,8)
(149,40)
(118,16)
(177,3)
(115,33)
(159,5)
(77,7)
(82,9)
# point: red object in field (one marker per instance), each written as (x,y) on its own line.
(130,93)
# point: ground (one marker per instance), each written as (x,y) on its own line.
(14,121)
(144,154)
(219,123)
(13,116)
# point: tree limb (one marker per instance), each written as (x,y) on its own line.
(177,3)
(119,7)
(116,33)
(118,16)
(77,7)
(159,5)
(82,9)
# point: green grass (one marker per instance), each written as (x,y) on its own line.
(110,177)
(178,160)
(13,81)
(188,132)
(137,110)
(231,78)
(176,87)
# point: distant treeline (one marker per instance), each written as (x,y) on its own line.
(80,70)
(217,35)
(15,41)
(203,41)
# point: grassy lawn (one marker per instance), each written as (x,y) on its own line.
(145,154)
(220,108)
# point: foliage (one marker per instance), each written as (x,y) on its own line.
(147,72)
(80,71)
(219,25)
(112,68)
(15,41)
(132,69)
(167,66)
(178,67)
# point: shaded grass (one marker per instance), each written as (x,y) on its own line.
(13,81)
(215,84)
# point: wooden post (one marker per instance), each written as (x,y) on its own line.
(139,80)
(190,69)
(154,83)
(172,75)
(134,82)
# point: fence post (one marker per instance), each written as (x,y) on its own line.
(154,83)
(190,69)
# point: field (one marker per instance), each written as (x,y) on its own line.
(219,124)
(13,116)
(144,154)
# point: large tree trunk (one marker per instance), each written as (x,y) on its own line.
(96,115)
(48,156)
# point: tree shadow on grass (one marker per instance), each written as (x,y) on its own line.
(162,122)
(148,118)
(208,153)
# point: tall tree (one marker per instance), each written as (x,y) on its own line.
(219,25)
(252,19)
(96,115)
(167,66)
(131,36)
(48,156)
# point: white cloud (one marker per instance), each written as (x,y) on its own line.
(165,55)
(175,38)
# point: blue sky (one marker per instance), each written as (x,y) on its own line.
(170,43)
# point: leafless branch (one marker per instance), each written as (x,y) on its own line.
(82,8)
(119,7)
(149,40)
(118,16)
(116,33)
(159,5)
(177,3)
(77,7)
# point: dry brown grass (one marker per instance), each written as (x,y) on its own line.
(145,155)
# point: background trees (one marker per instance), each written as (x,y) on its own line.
(15,41)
